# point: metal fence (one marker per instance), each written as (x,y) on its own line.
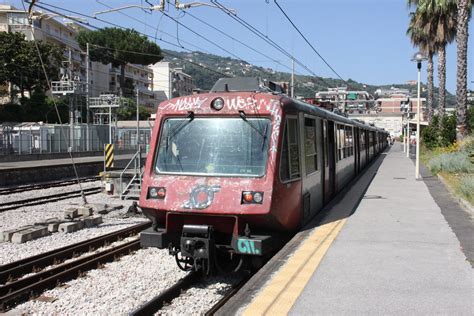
(32,138)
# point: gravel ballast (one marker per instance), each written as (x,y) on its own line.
(32,214)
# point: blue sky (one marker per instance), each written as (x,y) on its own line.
(363,40)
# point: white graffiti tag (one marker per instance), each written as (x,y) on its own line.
(185,104)
(239,103)
(274,108)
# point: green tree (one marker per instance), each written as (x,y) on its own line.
(442,15)
(22,65)
(119,47)
(430,134)
(419,31)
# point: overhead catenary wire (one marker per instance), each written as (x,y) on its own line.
(150,26)
(306,40)
(266,38)
(165,14)
(211,26)
(119,26)
(165,53)
(30,22)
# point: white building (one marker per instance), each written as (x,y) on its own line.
(170,82)
(102,78)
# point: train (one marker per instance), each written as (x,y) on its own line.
(231,171)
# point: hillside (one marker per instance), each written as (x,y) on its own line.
(305,86)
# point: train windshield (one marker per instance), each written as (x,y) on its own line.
(214,146)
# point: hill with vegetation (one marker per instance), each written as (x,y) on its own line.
(193,63)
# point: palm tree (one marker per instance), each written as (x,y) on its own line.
(419,31)
(442,29)
(464,12)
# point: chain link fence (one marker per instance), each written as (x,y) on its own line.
(36,138)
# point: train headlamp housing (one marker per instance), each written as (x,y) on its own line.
(252,197)
(217,104)
(156,193)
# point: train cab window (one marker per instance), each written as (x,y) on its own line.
(310,146)
(340,134)
(214,146)
(290,163)
(349,148)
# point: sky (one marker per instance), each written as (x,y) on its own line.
(364,40)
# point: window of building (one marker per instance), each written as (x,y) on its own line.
(17,19)
(290,163)
(310,148)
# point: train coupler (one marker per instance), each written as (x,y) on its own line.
(197,242)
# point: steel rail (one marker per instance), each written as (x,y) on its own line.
(152,306)
(46,185)
(49,198)
(228,295)
(17,269)
(28,287)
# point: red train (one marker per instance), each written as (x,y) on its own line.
(232,170)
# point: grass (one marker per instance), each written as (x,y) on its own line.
(455,164)
(461,184)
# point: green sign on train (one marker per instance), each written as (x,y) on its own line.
(247,246)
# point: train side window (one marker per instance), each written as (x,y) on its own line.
(310,148)
(340,141)
(290,164)
(349,142)
(362,140)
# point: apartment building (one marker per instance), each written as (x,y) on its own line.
(102,78)
(170,82)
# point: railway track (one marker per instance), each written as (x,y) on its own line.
(39,186)
(21,286)
(156,303)
(47,198)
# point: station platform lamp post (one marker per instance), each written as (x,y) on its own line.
(418,58)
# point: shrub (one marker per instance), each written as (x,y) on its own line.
(430,134)
(467,145)
(466,185)
(447,133)
(455,162)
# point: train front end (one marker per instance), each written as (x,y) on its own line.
(208,179)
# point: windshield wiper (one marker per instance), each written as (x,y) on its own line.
(178,129)
(243,116)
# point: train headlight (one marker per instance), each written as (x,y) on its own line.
(252,197)
(217,104)
(156,193)
(258,197)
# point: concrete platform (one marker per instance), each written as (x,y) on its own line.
(25,172)
(395,251)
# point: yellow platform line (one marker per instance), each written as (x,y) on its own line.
(286,286)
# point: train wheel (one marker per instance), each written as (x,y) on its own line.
(184,263)
(227,262)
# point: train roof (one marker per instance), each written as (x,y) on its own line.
(244,87)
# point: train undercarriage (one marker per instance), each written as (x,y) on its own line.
(202,248)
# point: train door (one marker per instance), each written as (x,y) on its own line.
(330,160)
(355,139)
(312,188)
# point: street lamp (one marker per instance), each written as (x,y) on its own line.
(418,58)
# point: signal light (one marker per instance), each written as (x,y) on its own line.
(156,193)
(217,104)
(252,197)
